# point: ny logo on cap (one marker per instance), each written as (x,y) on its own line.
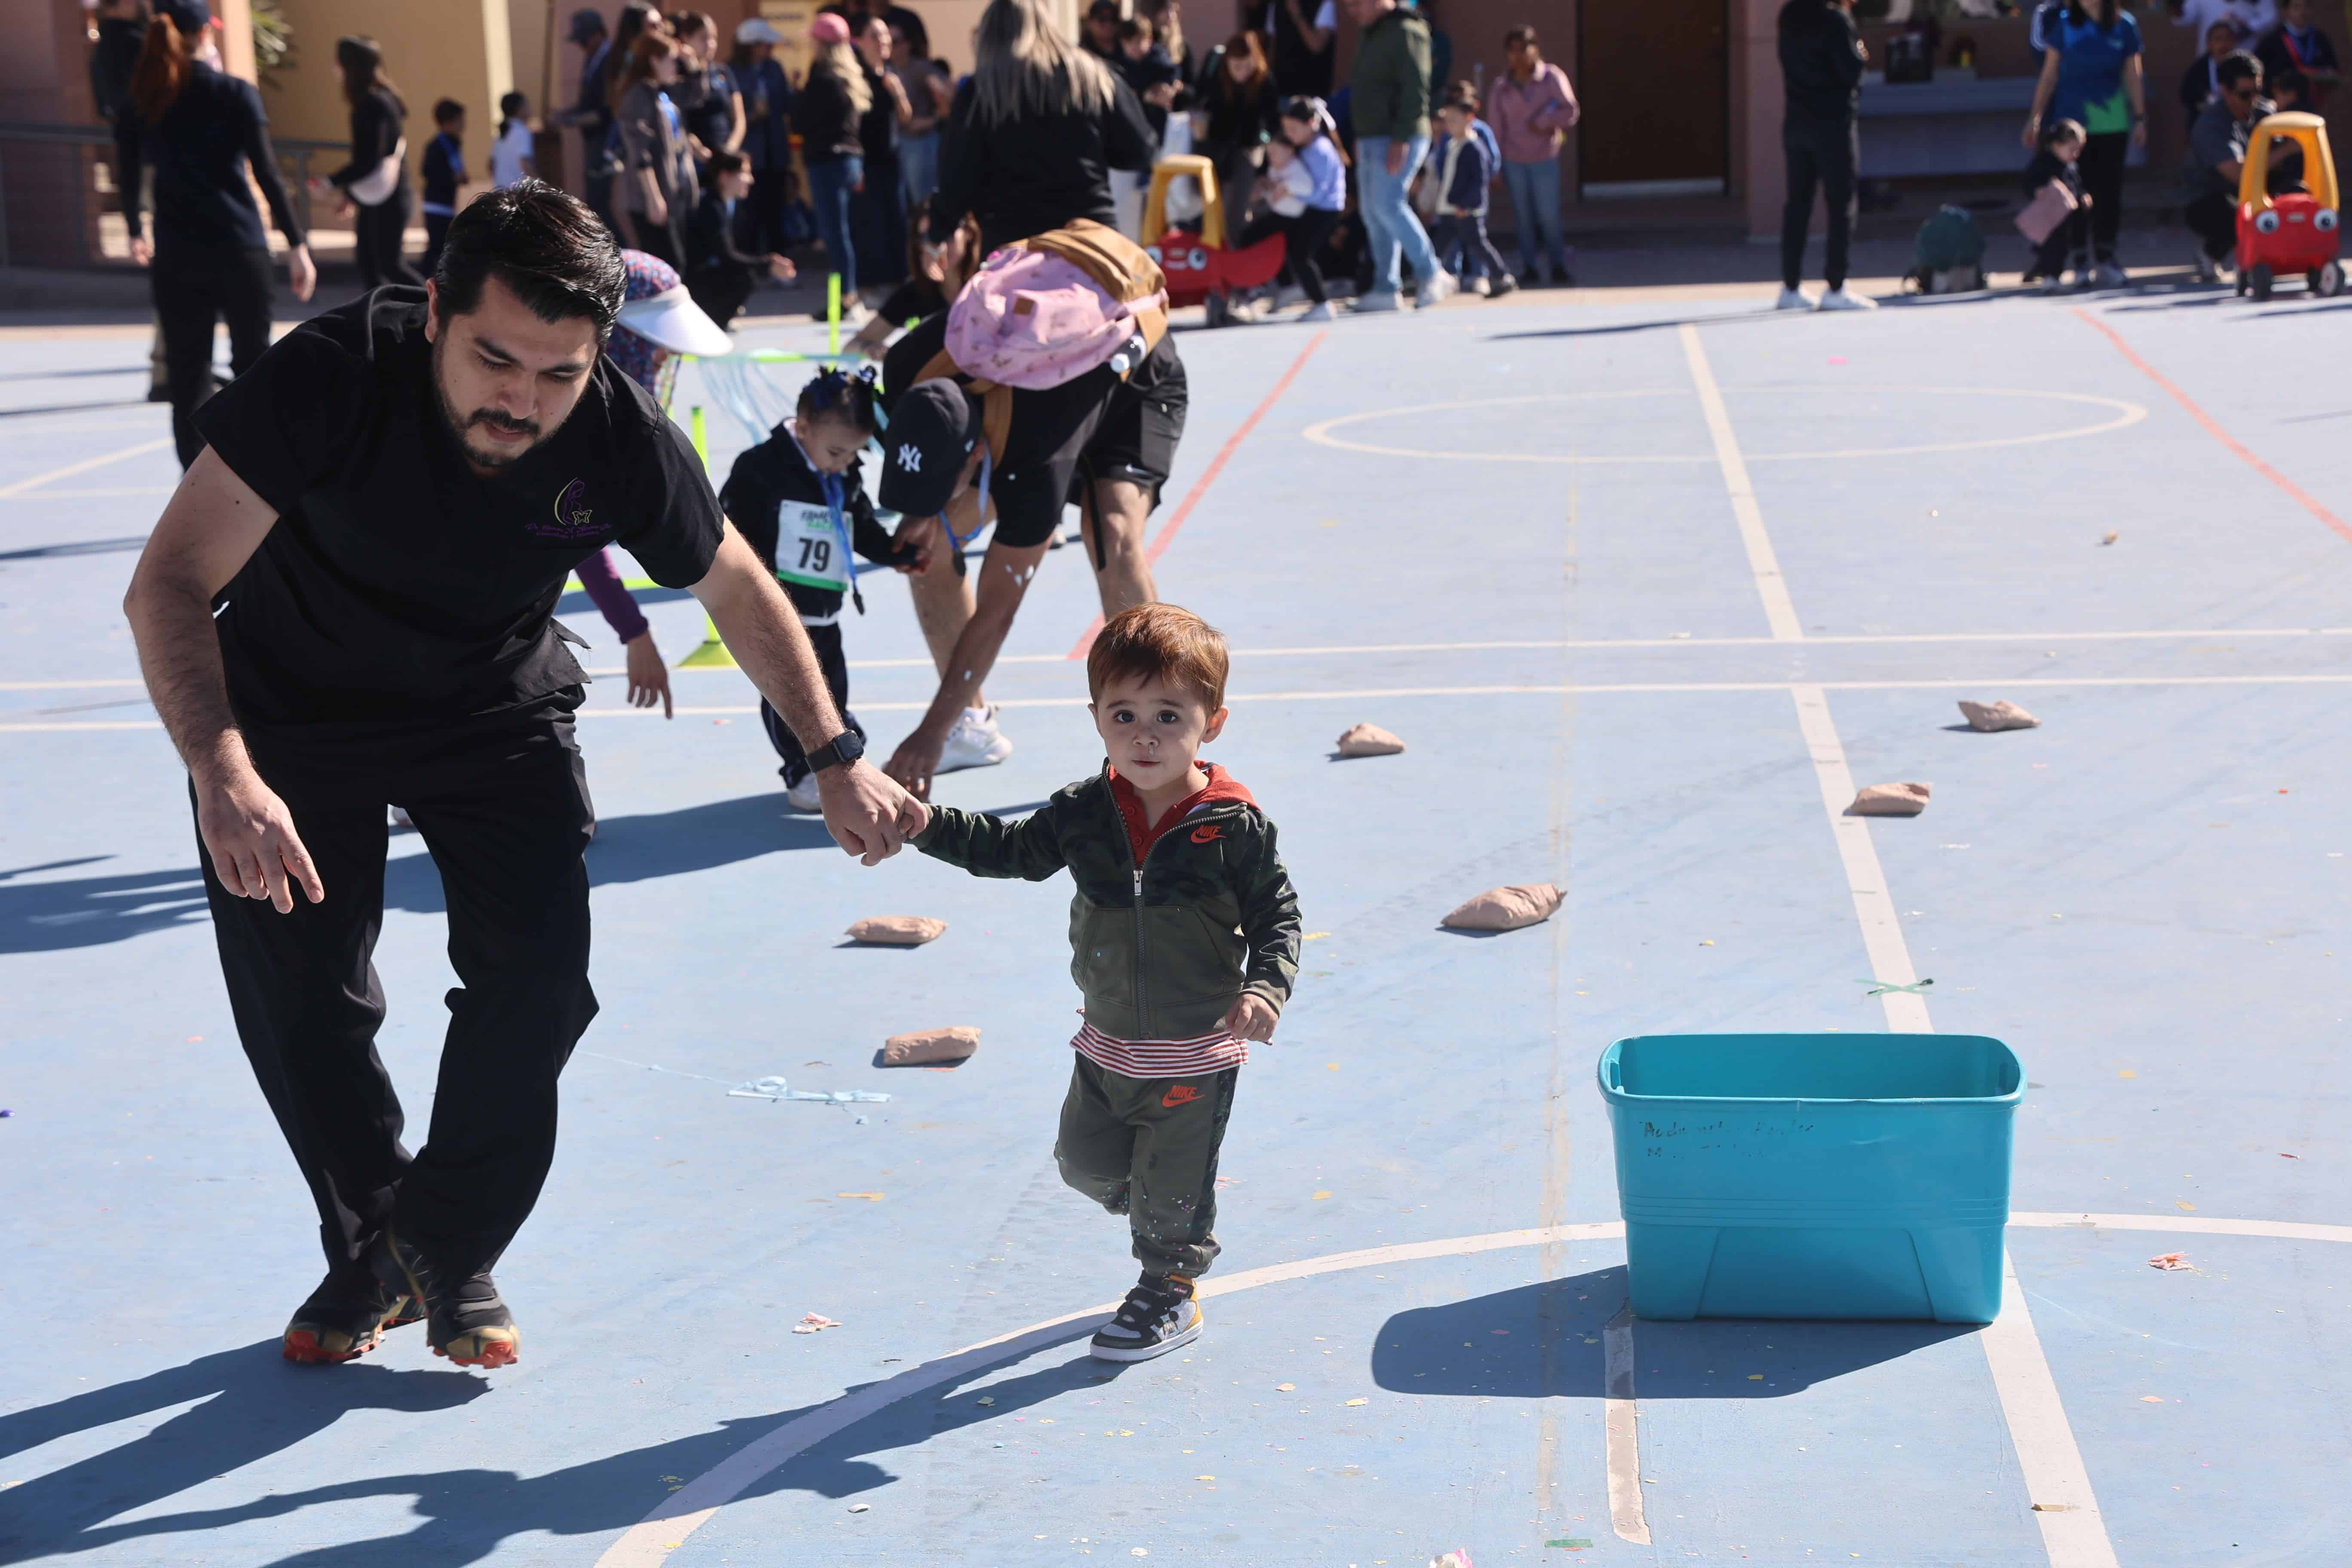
(908,458)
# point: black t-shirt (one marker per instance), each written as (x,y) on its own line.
(396,585)
(1030,480)
(771,485)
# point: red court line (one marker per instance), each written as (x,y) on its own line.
(1209,476)
(2302,497)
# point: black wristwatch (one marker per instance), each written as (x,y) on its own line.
(845,747)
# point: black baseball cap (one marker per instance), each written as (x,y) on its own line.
(933,430)
(189,16)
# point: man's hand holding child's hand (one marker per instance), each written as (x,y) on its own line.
(1251,1016)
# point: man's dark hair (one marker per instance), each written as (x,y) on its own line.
(1522,34)
(1134,27)
(726,163)
(2237,67)
(2295,82)
(546,246)
(447,109)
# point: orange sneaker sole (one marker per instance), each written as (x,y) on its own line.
(483,1351)
(303,1346)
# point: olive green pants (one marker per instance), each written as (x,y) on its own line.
(1147,1148)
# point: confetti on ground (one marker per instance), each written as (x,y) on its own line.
(1359,1401)
(2184,1207)
(1754,1377)
(2151,1399)
(1318,1198)
(815,1323)
(2167,1260)
(985,1399)
(861,1508)
(1573,1542)
(2283,1153)
(1285,1388)
(869,1197)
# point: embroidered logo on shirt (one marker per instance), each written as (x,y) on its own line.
(574,519)
(909,459)
(1208,834)
(1182,1094)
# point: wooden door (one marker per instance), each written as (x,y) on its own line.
(1654,76)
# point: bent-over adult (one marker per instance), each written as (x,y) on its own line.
(1034,133)
(2215,160)
(1102,443)
(203,130)
(349,601)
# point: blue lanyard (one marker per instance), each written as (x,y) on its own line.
(987,467)
(830,483)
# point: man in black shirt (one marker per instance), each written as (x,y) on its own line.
(1821,62)
(348,603)
(1098,442)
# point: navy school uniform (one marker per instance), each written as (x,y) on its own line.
(805,525)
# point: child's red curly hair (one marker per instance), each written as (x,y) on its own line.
(1160,642)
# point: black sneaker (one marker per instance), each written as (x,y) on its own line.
(345,1317)
(467,1320)
(1158,1315)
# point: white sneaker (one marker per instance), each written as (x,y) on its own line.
(803,797)
(1793,300)
(2055,283)
(1437,290)
(974,742)
(1481,287)
(1837,299)
(2085,278)
(1322,313)
(1378,299)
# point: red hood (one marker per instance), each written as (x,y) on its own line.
(1140,835)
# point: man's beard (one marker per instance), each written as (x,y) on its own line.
(458,425)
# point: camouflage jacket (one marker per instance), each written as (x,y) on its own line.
(1160,950)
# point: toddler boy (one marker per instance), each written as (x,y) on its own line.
(1185,937)
(1463,170)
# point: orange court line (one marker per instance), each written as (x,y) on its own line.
(1209,476)
(2213,428)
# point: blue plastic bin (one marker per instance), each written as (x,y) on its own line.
(1814,1175)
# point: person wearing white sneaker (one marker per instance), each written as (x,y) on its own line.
(1821,62)
(1793,298)
(1389,97)
(949,459)
(1842,299)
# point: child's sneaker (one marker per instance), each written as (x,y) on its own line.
(1481,286)
(1504,284)
(1320,312)
(975,742)
(1158,1315)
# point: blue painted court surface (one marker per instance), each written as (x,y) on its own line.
(1635,649)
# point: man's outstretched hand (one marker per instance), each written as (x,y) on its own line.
(869,816)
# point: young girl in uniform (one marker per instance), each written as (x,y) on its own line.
(799,499)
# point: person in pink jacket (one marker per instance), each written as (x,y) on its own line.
(1531,106)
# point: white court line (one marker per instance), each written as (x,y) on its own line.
(648,1543)
(1857,640)
(1779,613)
(1620,1420)
(1873,906)
(2073,1534)
(2047,1457)
(85,466)
(738,710)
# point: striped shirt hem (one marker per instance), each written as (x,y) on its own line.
(1212,1052)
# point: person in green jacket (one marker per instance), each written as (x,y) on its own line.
(1184,932)
(1388,105)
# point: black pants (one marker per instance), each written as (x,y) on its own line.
(666,239)
(1302,242)
(1822,156)
(2214,220)
(771,189)
(1465,234)
(826,641)
(721,290)
(2103,181)
(192,289)
(503,806)
(376,241)
(436,234)
(877,217)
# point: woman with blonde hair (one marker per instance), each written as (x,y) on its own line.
(658,187)
(1035,133)
(827,114)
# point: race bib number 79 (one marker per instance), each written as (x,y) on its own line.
(809,549)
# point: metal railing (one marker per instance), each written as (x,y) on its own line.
(294,158)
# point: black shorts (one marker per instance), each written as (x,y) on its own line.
(1136,437)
